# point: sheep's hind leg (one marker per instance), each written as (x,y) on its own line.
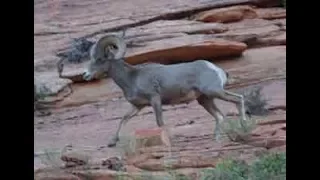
(236,99)
(208,104)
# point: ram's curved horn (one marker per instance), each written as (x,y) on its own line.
(108,40)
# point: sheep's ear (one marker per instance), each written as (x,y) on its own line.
(113,47)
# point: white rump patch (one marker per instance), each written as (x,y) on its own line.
(222,75)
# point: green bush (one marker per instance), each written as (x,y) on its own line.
(270,166)
(227,170)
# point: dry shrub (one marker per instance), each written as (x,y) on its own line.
(255,102)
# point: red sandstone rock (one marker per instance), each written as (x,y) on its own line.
(271,13)
(151,137)
(228,14)
(73,158)
(188,48)
(55,176)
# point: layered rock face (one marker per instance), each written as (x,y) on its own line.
(247,38)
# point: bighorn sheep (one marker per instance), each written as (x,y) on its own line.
(157,84)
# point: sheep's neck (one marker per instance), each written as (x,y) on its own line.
(120,72)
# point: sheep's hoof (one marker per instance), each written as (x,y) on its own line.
(217,138)
(113,142)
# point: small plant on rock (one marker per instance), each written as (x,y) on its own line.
(78,52)
(270,166)
(227,170)
(178,176)
(39,94)
(238,132)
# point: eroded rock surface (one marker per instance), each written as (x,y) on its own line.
(228,14)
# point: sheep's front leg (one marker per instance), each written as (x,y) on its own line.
(157,108)
(132,112)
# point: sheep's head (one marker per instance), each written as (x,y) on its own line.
(106,49)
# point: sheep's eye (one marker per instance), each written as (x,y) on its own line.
(113,47)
